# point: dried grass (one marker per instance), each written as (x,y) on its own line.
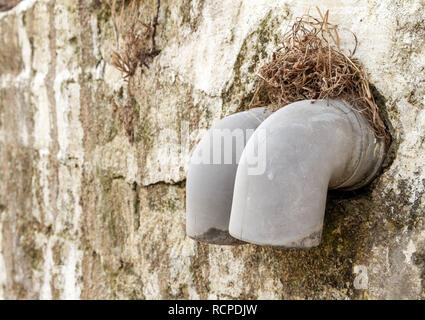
(311,65)
(135,39)
(135,49)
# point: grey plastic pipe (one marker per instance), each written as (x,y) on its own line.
(310,148)
(211,176)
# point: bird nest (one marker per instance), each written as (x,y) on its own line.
(310,64)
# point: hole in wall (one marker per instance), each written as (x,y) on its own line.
(381,102)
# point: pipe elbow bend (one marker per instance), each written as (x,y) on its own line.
(305,149)
(211,176)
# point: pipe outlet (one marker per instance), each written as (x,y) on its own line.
(310,148)
(211,176)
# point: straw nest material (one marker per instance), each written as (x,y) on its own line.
(310,64)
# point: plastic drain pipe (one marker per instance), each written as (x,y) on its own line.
(310,148)
(211,176)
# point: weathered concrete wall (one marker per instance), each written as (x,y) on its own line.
(86,214)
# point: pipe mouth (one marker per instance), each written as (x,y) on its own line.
(308,242)
(217,236)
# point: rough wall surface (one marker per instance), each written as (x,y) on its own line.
(84,213)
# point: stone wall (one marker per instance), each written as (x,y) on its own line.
(87,213)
